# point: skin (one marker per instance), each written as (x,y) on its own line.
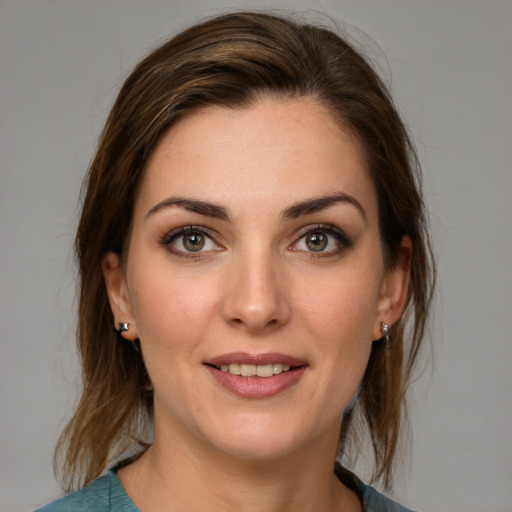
(255,287)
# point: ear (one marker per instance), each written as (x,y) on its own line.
(393,290)
(117,291)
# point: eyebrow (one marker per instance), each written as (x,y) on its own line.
(194,205)
(318,204)
(294,211)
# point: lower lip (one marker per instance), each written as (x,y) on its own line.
(257,387)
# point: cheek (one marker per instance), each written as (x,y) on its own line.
(341,308)
(172,318)
(339,316)
(171,310)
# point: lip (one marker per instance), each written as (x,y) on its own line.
(256,387)
(266,358)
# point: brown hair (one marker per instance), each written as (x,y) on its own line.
(231,60)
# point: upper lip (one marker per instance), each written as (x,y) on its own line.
(244,358)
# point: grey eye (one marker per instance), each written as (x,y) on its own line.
(193,242)
(316,241)
(188,241)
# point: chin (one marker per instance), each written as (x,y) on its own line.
(264,438)
(256,448)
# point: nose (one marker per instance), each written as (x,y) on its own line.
(256,298)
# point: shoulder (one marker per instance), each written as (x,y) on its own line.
(106,494)
(374,501)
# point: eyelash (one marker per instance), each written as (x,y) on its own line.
(172,236)
(342,240)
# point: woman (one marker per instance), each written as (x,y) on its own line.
(254,231)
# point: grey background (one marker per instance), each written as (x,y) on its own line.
(450,67)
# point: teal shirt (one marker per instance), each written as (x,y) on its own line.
(107,494)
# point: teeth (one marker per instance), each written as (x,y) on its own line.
(247,370)
(234,368)
(253,370)
(265,370)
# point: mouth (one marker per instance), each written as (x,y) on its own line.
(255,370)
(256,365)
(256,376)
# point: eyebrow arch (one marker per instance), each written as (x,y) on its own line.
(194,205)
(294,211)
(318,204)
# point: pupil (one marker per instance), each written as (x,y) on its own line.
(316,242)
(193,242)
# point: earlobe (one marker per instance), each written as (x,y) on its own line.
(394,289)
(119,300)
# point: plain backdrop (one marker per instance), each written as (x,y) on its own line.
(449,64)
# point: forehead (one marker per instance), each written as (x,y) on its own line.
(290,149)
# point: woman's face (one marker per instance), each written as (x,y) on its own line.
(255,249)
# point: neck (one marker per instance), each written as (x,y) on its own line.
(175,475)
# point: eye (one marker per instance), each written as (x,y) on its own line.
(323,239)
(316,241)
(189,240)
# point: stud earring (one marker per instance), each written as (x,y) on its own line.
(385,328)
(123,326)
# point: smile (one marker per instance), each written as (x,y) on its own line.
(256,376)
(255,370)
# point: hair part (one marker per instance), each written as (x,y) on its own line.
(233,60)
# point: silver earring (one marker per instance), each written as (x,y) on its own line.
(385,328)
(123,326)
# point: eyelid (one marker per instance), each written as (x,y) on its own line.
(167,239)
(341,237)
